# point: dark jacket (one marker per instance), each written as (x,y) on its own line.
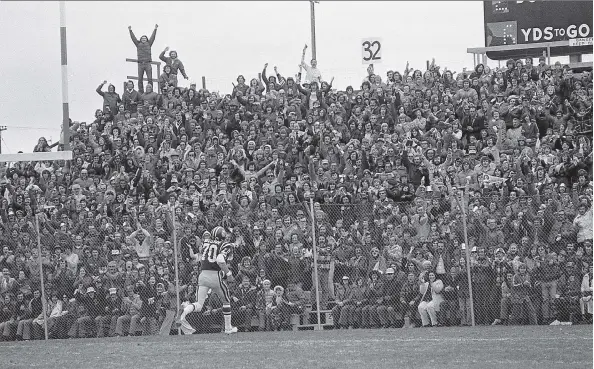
(461,283)
(246,296)
(113,306)
(152,97)
(110,100)
(449,281)
(295,295)
(392,289)
(36,307)
(143,49)
(546,272)
(520,290)
(374,292)
(131,100)
(94,306)
(409,292)
(148,295)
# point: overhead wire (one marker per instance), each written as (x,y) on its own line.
(26,127)
(6,145)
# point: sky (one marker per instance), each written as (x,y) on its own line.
(218,40)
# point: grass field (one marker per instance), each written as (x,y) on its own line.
(526,347)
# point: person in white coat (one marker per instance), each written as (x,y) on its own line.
(586,301)
(430,300)
(583,223)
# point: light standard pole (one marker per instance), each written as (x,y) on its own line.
(313,27)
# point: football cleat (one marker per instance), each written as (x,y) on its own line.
(232,330)
(185,327)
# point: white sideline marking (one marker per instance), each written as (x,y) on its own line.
(319,340)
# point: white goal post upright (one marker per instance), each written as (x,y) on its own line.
(36,156)
(28,157)
(64,74)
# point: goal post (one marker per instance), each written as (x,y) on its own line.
(36,156)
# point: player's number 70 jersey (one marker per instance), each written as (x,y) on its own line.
(214,251)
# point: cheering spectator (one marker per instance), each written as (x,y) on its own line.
(431,299)
(392,167)
(174,63)
(583,223)
(142,241)
(167,78)
(313,74)
(522,307)
(144,57)
(264,304)
(110,98)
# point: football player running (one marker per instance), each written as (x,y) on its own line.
(214,274)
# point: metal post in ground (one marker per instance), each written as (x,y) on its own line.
(467,248)
(175,258)
(40,261)
(315,258)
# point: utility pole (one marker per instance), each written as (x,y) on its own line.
(2,128)
(313,27)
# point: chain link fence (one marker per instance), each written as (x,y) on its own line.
(441,261)
(471,260)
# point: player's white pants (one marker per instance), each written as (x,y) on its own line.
(208,280)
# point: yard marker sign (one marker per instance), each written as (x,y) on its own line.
(371,50)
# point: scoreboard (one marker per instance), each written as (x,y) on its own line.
(528,22)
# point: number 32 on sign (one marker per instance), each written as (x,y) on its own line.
(371,50)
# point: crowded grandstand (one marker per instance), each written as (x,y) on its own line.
(396,184)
